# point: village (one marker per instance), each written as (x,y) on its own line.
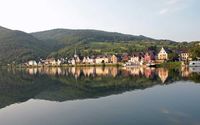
(149,59)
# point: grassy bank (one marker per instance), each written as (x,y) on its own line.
(89,65)
(67,65)
(170,65)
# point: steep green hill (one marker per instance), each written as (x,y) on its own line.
(89,42)
(19,46)
(67,36)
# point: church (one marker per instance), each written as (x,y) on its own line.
(162,55)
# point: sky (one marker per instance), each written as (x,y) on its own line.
(177,20)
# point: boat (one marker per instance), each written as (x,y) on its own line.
(129,64)
(151,64)
(194,69)
(194,64)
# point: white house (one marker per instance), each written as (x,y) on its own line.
(135,59)
(88,60)
(184,56)
(32,63)
(162,55)
(73,61)
(53,62)
(101,59)
(59,62)
(114,59)
(84,60)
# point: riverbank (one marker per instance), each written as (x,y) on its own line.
(170,65)
(67,65)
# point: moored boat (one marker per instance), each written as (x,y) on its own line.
(128,64)
(194,63)
(151,64)
(195,69)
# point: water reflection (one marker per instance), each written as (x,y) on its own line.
(56,85)
(162,73)
(61,84)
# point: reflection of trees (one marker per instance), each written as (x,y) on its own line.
(61,85)
(162,73)
(195,77)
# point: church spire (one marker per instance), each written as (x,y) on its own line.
(75,55)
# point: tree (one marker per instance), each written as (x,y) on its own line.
(173,56)
(195,52)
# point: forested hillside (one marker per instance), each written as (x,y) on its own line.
(93,42)
(17,46)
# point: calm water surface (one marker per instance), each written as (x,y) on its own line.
(100,96)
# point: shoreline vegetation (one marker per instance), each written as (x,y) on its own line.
(69,65)
(171,65)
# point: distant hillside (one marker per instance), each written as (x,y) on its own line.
(19,46)
(67,36)
(89,42)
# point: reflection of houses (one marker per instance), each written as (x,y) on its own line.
(87,71)
(135,71)
(148,72)
(185,71)
(102,71)
(163,74)
(162,55)
(32,71)
(52,71)
(114,71)
(75,72)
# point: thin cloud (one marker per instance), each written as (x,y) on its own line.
(172,2)
(172,6)
(163,11)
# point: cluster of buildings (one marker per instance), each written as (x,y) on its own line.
(139,58)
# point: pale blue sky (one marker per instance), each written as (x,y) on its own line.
(164,19)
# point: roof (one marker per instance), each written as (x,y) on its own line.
(167,50)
